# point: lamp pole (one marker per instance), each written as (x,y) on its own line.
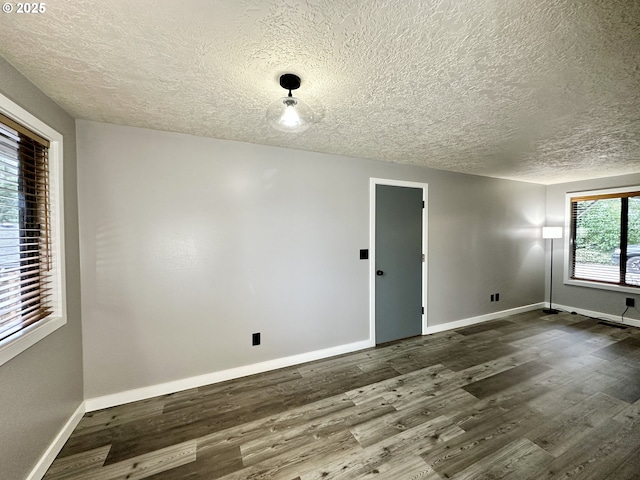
(551,233)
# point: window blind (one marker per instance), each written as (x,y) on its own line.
(25,248)
(605,238)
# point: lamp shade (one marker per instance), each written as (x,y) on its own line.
(551,232)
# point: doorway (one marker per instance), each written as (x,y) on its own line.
(398,260)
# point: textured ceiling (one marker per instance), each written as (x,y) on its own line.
(538,90)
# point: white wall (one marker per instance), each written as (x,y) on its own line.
(596,300)
(189,245)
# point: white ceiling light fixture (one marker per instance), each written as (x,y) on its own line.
(290,114)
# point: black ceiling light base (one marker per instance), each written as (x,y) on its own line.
(289,81)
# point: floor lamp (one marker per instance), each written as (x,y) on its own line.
(551,233)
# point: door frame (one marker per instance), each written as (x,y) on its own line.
(373,182)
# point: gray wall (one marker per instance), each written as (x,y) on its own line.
(602,301)
(42,387)
(188,245)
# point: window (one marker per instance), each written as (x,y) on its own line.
(32,300)
(25,254)
(605,237)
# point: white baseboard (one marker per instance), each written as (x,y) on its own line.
(143,393)
(466,322)
(52,452)
(590,313)
(112,400)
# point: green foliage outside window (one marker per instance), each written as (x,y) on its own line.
(598,228)
(9,197)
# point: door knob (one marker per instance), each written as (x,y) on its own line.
(379,273)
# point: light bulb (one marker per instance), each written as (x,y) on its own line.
(289,114)
(290,117)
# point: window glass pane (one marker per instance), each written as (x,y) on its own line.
(597,240)
(9,242)
(633,242)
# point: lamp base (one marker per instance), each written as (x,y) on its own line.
(550,311)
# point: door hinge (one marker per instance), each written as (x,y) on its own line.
(423,257)
(423,204)
(423,310)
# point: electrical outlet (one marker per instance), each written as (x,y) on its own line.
(630,302)
(497,297)
(493,297)
(255,339)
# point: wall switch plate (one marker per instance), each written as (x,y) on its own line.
(493,297)
(255,339)
(497,297)
(364,254)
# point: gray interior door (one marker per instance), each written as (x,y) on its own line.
(398,258)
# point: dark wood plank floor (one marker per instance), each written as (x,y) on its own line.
(525,397)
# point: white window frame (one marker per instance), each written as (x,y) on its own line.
(28,336)
(567,242)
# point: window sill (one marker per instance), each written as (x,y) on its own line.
(602,286)
(20,341)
